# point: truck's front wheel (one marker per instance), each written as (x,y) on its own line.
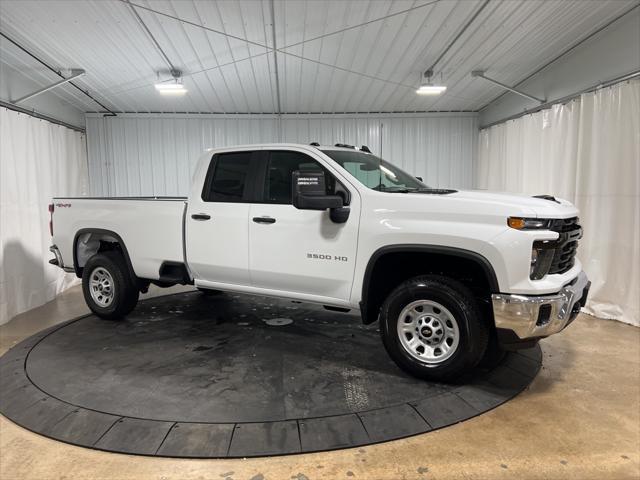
(108,288)
(432,328)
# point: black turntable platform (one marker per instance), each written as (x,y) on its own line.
(190,375)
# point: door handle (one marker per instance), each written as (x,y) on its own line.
(264,220)
(200,216)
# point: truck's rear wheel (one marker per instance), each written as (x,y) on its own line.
(432,328)
(108,288)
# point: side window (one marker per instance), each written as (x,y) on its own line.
(282,163)
(229,179)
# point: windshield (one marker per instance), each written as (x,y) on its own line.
(375,173)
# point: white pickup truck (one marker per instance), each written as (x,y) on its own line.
(452,276)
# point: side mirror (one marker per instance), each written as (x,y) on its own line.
(339,215)
(309,193)
(420,178)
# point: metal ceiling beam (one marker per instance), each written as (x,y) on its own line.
(347,70)
(75,73)
(275,57)
(457,37)
(49,67)
(364,24)
(480,74)
(150,35)
(188,22)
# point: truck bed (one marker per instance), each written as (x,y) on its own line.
(150,227)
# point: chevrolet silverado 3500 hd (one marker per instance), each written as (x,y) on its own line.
(452,276)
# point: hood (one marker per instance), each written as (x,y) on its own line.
(476,204)
(527,204)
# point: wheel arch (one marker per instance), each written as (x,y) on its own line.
(98,235)
(371,302)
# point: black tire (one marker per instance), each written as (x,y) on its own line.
(493,355)
(210,292)
(473,331)
(125,290)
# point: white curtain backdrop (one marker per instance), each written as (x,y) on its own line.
(38,160)
(588,152)
(146,154)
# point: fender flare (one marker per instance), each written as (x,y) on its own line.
(475,257)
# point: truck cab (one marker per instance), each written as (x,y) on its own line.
(453,277)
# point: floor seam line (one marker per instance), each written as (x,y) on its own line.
(475,409)
(165,437)
(363,426)
(420,415)
(299,434)
(63,418)
(107,431)
(235,425)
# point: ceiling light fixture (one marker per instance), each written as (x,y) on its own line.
(172,87)
(428,88)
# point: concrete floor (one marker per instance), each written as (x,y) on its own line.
(580,419)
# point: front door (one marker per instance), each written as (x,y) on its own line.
(300,251)
(217,221)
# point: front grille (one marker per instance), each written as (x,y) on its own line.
(563,225)
(567,244)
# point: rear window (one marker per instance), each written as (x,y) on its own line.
(230,175)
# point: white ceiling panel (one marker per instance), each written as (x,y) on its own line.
(330,56)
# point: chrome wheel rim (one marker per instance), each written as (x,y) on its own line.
(101,286)
(428,331)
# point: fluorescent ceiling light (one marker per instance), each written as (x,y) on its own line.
(171,88)
(430,89)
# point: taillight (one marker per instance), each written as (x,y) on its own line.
(51,207)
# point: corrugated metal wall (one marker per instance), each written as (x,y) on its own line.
(155,155)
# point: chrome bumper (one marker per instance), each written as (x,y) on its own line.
(540,316)
(58,260)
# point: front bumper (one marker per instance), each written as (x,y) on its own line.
(526,317)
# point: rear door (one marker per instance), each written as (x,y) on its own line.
(300,251)
(217,220)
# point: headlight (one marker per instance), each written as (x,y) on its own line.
(520,223)
(541,259)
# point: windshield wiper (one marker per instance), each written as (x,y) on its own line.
(382,188)
(436,191)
